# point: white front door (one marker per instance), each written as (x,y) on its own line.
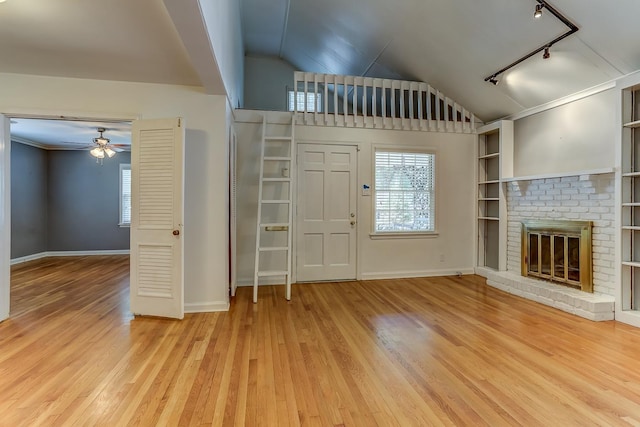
(326,213)
(157,212)
(5,217)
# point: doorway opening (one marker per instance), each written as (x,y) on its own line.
(66,202)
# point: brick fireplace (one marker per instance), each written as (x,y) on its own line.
(583,198)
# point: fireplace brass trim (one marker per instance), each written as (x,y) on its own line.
(581,229)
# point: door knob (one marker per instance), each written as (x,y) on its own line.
(176,232)
(353,223)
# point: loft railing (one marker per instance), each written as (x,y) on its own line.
(350,101)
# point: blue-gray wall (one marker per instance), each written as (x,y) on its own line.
(83,202)
(64,201)
(266,81)
(28,200)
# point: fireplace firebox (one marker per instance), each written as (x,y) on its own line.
(559,251)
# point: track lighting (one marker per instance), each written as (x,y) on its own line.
(542,4)
(538,12)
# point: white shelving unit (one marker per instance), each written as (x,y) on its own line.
(628,301)
(495,164)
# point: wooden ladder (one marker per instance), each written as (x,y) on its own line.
(274,221)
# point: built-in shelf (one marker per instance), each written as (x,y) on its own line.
(560,174)
(628,298)
(494,160)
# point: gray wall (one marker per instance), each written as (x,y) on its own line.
(64,201)
(266,80)
(83,202)
(28,200)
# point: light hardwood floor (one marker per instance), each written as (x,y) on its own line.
(411,352)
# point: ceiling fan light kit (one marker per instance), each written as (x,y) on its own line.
(102,147)
(542,4)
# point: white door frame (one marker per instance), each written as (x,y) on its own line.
(5,217)
(5,182)
(294,195)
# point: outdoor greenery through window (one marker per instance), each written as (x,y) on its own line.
(314,102)
(125,194)
(404,191)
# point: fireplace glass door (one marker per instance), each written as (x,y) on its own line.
(554,257)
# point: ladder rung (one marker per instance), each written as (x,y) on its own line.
(277,159)
(274,249)
(275,201)
(277,138)
(276,179)
(274,224)
(273,273)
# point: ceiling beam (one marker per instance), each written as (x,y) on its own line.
(189,21)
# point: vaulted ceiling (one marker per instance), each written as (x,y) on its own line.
(453,44)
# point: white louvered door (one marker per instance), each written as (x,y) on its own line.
(157,190)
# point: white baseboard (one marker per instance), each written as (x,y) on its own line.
(263,281)
(415,273)
(88,253)
(27,258)
(375,276)
(67,253)
(206,307)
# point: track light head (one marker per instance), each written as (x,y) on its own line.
(538,12)
(546,54)
(493,80)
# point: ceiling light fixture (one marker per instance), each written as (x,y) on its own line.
(102,147)
(573,28)
(538,12)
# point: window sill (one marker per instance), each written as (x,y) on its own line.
(128,225)
(405,235)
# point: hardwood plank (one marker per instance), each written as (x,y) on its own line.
(408,352)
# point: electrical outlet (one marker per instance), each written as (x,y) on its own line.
(441,257)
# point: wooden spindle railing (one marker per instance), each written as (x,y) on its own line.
(366,102)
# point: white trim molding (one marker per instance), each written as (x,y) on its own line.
(46,254)
(206,307)
(417,273)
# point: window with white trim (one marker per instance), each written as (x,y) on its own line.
(313,104)
(125,194)
(404,191)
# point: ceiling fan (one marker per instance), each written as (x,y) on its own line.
(103,147)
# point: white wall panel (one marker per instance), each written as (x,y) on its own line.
(206,213)
(574,137)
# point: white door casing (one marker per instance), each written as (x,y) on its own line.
(157,212)
(5,217)
(233,180)
(326,212)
